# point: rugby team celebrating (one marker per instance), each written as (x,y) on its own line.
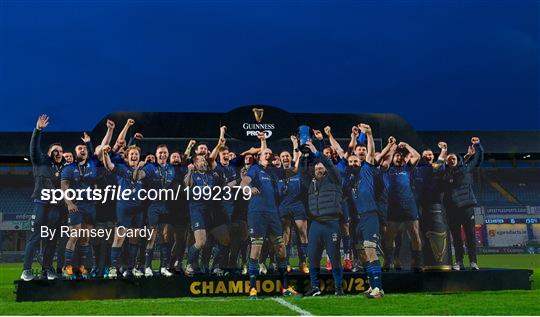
(353,203)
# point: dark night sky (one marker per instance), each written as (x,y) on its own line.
(443,65)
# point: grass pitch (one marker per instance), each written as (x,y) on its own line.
(468,303)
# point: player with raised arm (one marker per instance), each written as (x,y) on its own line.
(402,208)
(263,217)
(129,214)
(46,168)
(207,215)
(459,200)
(368,228)
(325,211)
(291,204)
(80,175)
(158,176)
(180,227)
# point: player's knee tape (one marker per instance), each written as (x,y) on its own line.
(257,241)
(369,244)
(279,240)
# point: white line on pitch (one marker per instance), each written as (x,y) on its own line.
(291,306)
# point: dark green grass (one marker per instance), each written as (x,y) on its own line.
(469,303)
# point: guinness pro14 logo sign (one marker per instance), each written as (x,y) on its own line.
(246,122)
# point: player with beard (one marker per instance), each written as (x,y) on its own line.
(402,208)
(80,175)
(241,209)
(263,218)
(291,206)
(205,215)
(350,216)
(46,169)
(325,211)
(366,190)
(428,184)
(158,176)
(128,212)
(180,215)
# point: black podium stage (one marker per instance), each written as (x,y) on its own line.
(206,286)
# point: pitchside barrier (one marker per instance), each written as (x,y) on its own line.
(270,285)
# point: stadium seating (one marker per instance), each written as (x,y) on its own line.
(523,184)
(16,200)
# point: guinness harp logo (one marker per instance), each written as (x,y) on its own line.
(258,112)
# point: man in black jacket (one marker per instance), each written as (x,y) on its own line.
(324,200)
(460,201)
(46,168)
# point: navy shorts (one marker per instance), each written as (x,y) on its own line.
(86,214)
(264,223)
(129,216)
(401,212)
(207,216)
(200,218)
(158,214)
(228,210)
(293,213)
(368,228)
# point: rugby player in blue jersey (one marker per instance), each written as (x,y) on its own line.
(80,175)
(366,191)
(402,208)
(206,215)
(129,213)
(291,203)
(180,229)
(263,217)
(158,176)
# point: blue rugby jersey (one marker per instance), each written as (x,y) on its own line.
(265,180)
(291,196)
(398,183)
(82,176)
(124,179)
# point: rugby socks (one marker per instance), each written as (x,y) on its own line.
(115,256)
(253,271)
(84,252)
(374,274)
(132,254)
(282,269)
(223,256)
(193,255)
(243,250)
(68,257)
(347,246)
(148,257)
(206,254)
(288,251)
(302,252)
(164,255)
